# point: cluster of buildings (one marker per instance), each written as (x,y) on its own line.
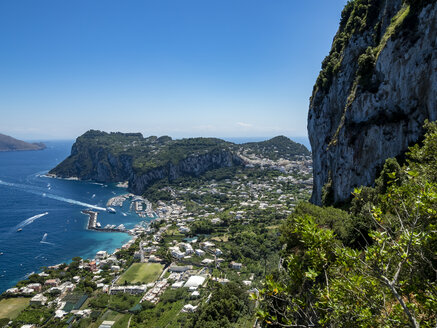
(193,259)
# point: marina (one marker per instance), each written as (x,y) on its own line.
(141,206)
(93,224)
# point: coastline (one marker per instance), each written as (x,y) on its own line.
(54,176)
(91,244)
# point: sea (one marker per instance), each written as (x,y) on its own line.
(48,211)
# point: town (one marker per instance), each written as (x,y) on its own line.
(215,231)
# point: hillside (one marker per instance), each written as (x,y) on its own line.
(114,157)
(371,264)
(276,148)
(8,143)
(376,87)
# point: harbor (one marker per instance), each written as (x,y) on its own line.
(93,224)
(138,204)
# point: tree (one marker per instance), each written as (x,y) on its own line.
(390,281)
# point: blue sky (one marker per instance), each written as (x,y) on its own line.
(224,68)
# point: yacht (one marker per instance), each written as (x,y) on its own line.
(110,210)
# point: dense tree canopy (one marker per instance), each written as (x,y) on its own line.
(388,279)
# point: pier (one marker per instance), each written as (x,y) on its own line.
(93,224)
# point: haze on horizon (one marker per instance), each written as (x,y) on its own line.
(181,68)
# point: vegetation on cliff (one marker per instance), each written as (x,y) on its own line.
(113,157)
(357,17)
(364,109)
(276,148)
(372,265)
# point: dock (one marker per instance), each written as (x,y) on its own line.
(93,224)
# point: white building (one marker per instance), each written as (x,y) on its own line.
(194,282)
(38,299)
(101,255)
(184,229)
(199,252)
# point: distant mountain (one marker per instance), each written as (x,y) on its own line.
(8,143)
(115,156)
(277,147)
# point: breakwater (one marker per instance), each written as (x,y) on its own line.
(93,224)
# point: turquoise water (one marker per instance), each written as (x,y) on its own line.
(49,213)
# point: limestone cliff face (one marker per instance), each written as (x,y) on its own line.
(96,160)
(192,165)
(376,88)
(94,163)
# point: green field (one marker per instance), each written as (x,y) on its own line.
(119,318)
(11,307)
(141,273)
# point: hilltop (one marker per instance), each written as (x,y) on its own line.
(8,143)
(142,161)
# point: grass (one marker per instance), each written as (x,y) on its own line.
(277,226)
(119,318)
(224,238)
(396,21)
(11,307)
(165,315)
(141,273)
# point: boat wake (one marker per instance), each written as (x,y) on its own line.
(75,202)
(35,191)
(43,240)
(30,220)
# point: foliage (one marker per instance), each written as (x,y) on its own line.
(164,313)
(277,147)
(390,281)
(366,65)
(356,16)
(122,154)
(122,302)
(100,301)
(227,303)
(202,227)
(33,315)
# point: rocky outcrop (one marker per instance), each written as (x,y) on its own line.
(96,156)
(190,166)
(94,163)
(376,89)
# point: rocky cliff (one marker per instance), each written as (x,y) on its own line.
(192,165)
(376,88)
(115,157)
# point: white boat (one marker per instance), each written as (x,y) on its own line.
(110,210)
